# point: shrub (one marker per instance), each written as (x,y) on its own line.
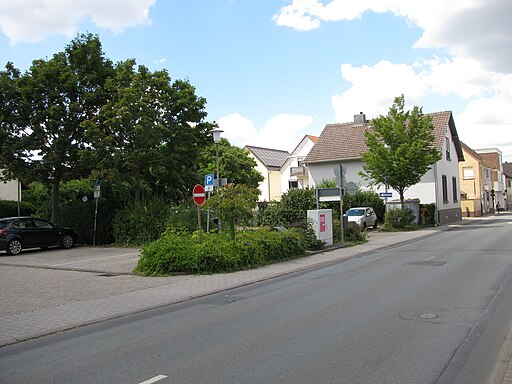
(218,253)
(10,208)
(353,234)
(141,221)
(295,204)
(399,219)
(430,215)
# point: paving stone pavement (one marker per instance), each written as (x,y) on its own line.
(45,298)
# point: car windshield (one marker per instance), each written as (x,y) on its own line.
(355,212)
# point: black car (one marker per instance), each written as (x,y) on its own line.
(17,233)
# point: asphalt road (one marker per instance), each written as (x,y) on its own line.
(431,311)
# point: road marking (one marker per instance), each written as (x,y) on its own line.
(97,258)
(154,379)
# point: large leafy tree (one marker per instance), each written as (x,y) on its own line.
(400,148)
(41,125)
(235,164)
(150,133)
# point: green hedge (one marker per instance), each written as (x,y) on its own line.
(178,252)
(10,208)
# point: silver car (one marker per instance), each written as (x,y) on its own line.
(365,217)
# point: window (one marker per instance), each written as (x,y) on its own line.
(468,173)
(445,190)
(455,194)
(487,173)
(293,184)
(447,142)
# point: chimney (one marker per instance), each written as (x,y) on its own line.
(360,119)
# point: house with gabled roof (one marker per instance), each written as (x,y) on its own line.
(294,172)
(507,171)
(475,183)
(344,143)
(495,157)
(269,163)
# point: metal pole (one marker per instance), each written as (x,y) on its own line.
(19,197)
(199,223)
(95,216)
(341,215)
(218,177)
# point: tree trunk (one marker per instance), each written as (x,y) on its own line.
(55,200)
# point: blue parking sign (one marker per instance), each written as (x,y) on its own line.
(209,180)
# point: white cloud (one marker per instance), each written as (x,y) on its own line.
(32,20)
(283,131)
(472,29)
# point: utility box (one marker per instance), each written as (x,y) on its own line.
(322,224)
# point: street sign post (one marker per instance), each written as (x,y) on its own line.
(199,196)
(386,194)
(97,189)
(209,182)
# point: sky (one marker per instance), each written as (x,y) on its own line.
(273,71)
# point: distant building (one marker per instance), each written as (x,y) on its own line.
(475,183)
(9,190)
(294,172)
(344,143)
(495,157)
(269,163)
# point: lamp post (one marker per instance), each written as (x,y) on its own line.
(216,138)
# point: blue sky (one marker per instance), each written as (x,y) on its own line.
(275,70)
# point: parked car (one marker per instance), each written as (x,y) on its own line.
(18,233)
(365,217)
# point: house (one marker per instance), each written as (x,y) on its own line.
(294,172)
(507,171)
(269,163)
(9,190)
(475,183)
(495,157)
(343,143)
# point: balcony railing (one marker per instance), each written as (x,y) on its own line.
(298,171)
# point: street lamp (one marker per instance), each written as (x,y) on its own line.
(216,138)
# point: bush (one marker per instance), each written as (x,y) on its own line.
(295,203)
(354,234)
(10,208)
(399,219)
(430,214)
(174,252)
(141,222)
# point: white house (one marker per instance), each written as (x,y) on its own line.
(269,163)
(344,143)
(9,190)
(294,172)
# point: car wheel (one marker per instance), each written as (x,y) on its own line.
(363,226)
(67,241)
(14,247)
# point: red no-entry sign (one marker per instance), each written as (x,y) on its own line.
(199,194)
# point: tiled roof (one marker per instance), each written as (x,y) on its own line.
(273,159)
(344,141)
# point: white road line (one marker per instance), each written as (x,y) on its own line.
(97,258)
(154,379)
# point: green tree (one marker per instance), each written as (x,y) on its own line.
(235,164)
(42,125)
(400,148)
(234,202)
(150,133)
